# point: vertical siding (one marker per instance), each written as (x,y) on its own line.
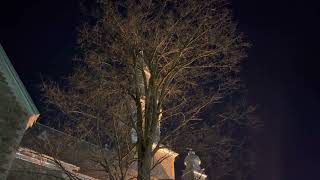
(11,128)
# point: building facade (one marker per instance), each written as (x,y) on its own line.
(17,113)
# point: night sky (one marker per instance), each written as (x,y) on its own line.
(282,71)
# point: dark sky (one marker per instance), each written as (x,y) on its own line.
(282,71)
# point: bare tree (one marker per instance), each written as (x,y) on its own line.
(146,64)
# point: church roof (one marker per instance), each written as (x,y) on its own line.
(12,90)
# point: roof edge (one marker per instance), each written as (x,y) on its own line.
(16,85)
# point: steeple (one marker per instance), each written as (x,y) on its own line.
(193,170)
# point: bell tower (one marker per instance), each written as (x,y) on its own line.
(193,170)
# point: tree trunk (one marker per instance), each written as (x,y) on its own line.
(144,161)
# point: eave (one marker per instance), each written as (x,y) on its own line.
(18,89)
